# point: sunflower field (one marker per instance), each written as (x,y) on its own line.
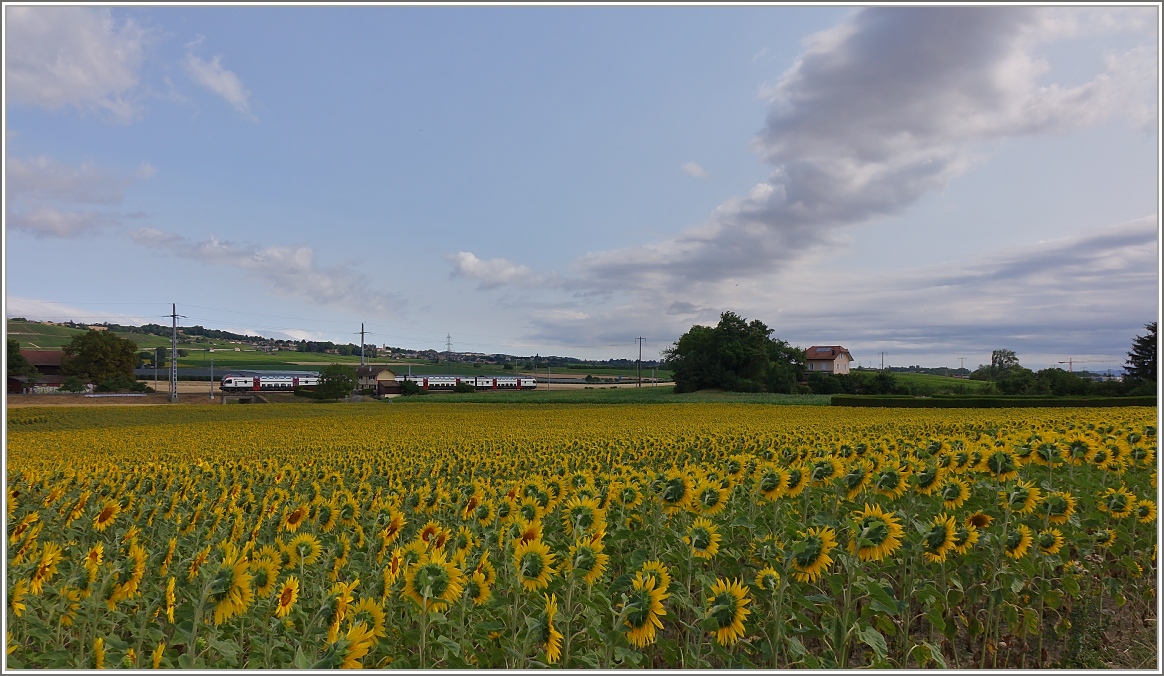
(509,536)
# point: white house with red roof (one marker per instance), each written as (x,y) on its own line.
(827,359)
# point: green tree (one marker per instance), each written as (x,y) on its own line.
(100,356)
(735,355)
(18,365)
(1141,363)
(336,381)
(1001,361)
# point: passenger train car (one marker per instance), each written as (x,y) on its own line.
(261,383)
(480,382)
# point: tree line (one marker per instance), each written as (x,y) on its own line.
(741,356)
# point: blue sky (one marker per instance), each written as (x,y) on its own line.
(933,183)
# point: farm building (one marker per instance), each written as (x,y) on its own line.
(827,359)
(379,378)
(48,363)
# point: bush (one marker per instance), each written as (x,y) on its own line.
(409,388)
(119,383)
(73,384)
(465,388)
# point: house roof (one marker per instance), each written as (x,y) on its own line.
(826,352)
(372,371)
(43,357)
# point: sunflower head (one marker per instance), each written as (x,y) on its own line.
(1018,542)
(703,538)
(642,607)
(534,564)
(876,534)
(810,555)
(938,541)
(768,580)
(1050,541)
(726,607)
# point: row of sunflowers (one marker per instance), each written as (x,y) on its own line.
(459,536)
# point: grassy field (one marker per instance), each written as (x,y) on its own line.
(925,384)
(621,395)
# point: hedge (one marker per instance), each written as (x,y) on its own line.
(986,401)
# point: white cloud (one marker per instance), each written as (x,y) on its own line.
(693,169)
(877,112)
(488,273)
(51,199)
(225,83)
(289,271)
(73,56)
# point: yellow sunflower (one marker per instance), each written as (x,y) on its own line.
(1022,498)
(129,576)
(979,520)
(16,597)
(726,606)
(588,560)
(1145,511)
(1058,506)
(551,636)
(371,613)
(394,528)
(938,541)
(1050,541)
(965,537)
(771,481)
(288,594)
(824,470)
(675,491)
(1002,465)
(954,491)
(106,516)
(266,574)
(856,479)
(303,548)
(93,559)
(926,480)
(890,481)
(1017,542)
(797,480)
(810,555)
(433,582)
(1117,502)
(231,590)
(534,564)
(582,516)
(710,497)
(294,518)
(359,640)
(170,598)
(768,579)
(642,607)
(876,534)
(703,538)
(658,571)
(478,589)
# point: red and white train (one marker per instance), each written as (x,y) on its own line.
(257,383)
(267,383)
(480,382)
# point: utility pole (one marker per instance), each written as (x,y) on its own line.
(361,343)
(882,361)
(960,362)
(174,353)
(639,365)
(212,378)
(449,352)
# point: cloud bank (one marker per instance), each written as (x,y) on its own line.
(76,57)
(288,271)
(51,199)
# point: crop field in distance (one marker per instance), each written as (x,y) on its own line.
(702,535)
